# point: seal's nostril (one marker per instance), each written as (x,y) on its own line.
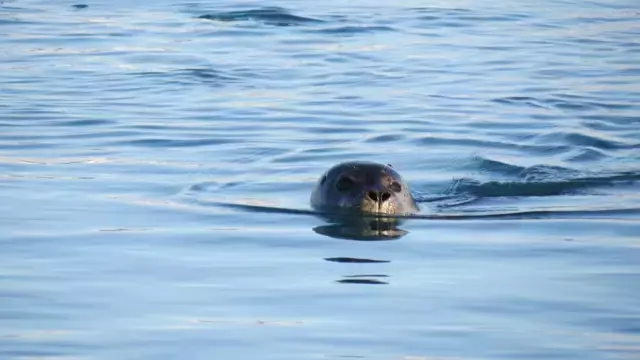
(378,196)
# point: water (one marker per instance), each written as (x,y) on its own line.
(156,161)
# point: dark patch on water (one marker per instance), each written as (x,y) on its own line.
(628,324)
(362,281)
(387,138)
(205,75)
(274,16)
(355,260)
(87,122)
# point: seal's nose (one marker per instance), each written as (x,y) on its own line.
(378,196)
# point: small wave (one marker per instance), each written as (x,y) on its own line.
(534,184)
(269,16)
(460,141)
(547,172)
(622,120)
(168,143)
(460,18)
(189,76)
(351,30)
(16,22)
(576,138)
(205,74)
(587,155)
(537,180)
(520,100)
(494,166)
(439,13)
(563,102)
(86,122)
(386,138)
(428,9)
(27,145)
(510,188)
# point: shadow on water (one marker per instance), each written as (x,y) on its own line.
(338,226)
(361,279)
(345,227)
(353,280)
(361,228)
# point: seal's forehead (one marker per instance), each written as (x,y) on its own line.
(363,170)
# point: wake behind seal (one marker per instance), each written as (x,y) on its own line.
(363,187)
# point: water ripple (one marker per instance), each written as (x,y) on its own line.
(569,103)
(588,140)
(539,183)
(269,16)
(190,76)
(351,30)
(169,143)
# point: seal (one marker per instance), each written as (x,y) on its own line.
(363,187)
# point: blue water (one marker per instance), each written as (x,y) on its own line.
(156,161)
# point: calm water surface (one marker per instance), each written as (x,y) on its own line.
(156,161)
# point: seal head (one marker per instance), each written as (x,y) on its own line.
(363,187)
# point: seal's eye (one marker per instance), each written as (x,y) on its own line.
(345,183)
(395,186)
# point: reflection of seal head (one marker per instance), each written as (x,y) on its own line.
(363,187)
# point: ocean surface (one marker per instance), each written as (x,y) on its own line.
(157,157)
